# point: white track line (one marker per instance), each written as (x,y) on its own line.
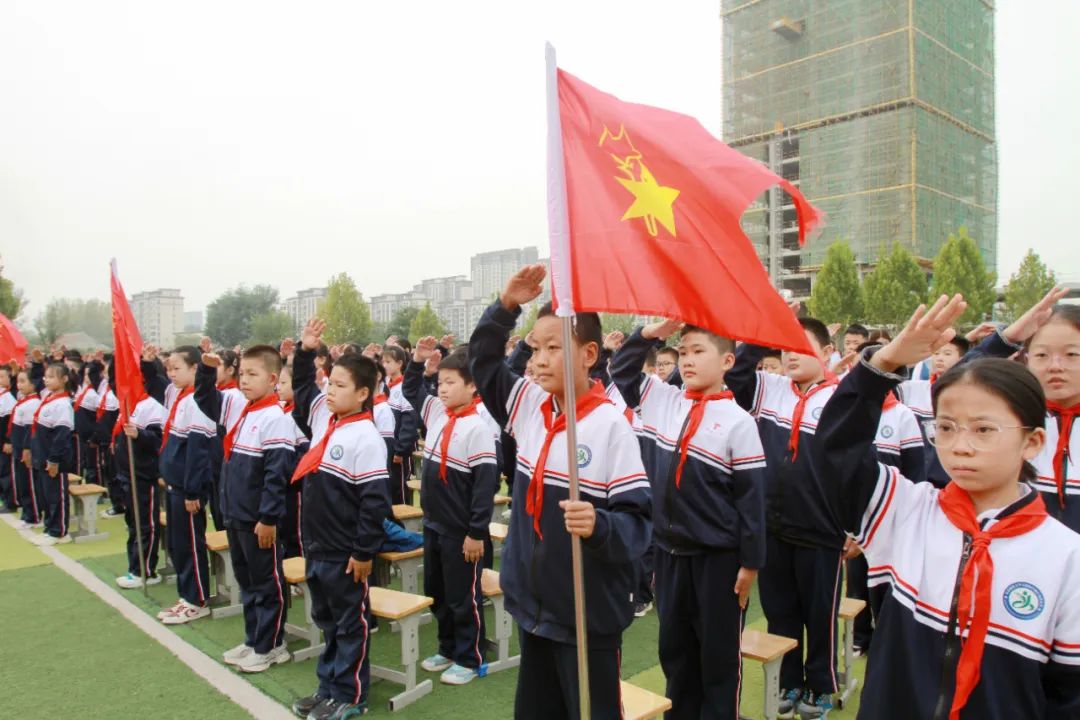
(251,699)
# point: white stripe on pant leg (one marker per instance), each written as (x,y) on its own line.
(476,614)
(62,479)
(229,684)
(363,646)
(832,625)
(195,556)
(152,529)
(280,597)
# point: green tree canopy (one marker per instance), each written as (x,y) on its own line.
(347,316)
(1031,281)
(270,328)
(11,298)
(610,322)
(837,296)
(959,268)
(65,315)
(529,319)
(401,322)
(425,323)
(228,318)
(894,288)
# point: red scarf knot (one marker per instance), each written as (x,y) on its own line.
(448,431)
(697,412)
(313,457)
(800,407)
(230,438)
(172,415)
(1061,452)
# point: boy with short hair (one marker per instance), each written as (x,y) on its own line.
(256,455)
(667,361)
(705,462)
(854,336)
(457,492)
(612,518)
(405,425)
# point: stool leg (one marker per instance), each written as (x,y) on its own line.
(772,689)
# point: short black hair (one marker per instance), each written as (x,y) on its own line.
(188,353)
(816,328)
(362,370)
(270,356)
(857,329)
(397,352)
(650,357)
(961,343)
(229,359)
(723,344)
(773,353)
(587,327)
(667,350)
(458,361)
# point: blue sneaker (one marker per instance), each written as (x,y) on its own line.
(436,663)
(812,706)
(458,675)
(788,700)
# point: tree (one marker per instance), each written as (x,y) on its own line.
(425,323)
(1031,281)
(11,298)
(347,316)
(271,328)
(894,288)
(837,295)
(401,322)
(182,339)
(610,322)
(529,319)
(959,268)
(64,315)
(228,318)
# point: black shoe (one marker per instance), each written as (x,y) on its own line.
(641,609)
(348,711)
(325,710)
(304,706)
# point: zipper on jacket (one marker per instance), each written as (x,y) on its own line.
(953,644)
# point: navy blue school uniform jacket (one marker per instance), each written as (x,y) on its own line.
(719,501)
(22,417)
(185,459)
(463,504)
(50,438)
(85,406)
(149,420)
(1031,662)
(346,499)
(536,573)
(405,421)
(108,410)
(256,473)
(7,406)
(223,406)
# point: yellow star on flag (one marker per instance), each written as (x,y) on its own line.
(652,201)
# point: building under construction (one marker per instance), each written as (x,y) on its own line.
(881,111)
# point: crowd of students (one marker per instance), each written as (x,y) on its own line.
(937,468)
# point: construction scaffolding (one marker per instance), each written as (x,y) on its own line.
(881,112)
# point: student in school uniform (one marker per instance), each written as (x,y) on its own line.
(706,467)
(108,410)
(144,427)
(185,466)
(257,454)
(291,534)
(20,421)
(981,621)
(85,405)
(51,452)
(405,425)
(345,501)
(612,518)
(457,490)
(221,401)
(9,501)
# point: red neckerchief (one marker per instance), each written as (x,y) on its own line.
(1066,415)
(697,412)
(977,579)
(172,415)
(230,385)
(37,413)
(20,401)
(79,400)
(116,428)
(890,401)
(313,457)
(288,407)
(800,406)
(101,405)
(934,378)
(380,399)
(391,384)
(451,420)
(227,443)
(534,497)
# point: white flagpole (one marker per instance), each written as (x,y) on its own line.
(559,235)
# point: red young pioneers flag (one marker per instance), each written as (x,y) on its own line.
(12,343)
(651,222)
(127,353)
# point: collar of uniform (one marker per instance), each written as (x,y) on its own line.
(988,517)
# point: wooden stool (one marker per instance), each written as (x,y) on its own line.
(409,564)
(296,574)
(498,531)
(502,500)
(413,485)
(227,595)
(410,516)
(640,704)
(166,570)
(849,610)
(85,515)
(405,610)
(768,650)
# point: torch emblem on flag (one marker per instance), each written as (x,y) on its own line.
(653,202)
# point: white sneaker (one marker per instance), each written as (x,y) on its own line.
(49,540)
(458,675)
(63,540)
(171,610)
(186,614)
(26,526)
(436,663)
(134,582)
(255,662)
(238,653)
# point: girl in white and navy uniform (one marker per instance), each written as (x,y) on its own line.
(108,410)
(51,451)
(292,537)
(147,424)
(85,406)
(28,493)
(218,396)
(9,499)
(405,426)
(981,621)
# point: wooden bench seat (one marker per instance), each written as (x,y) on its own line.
(768,650)
(410,516)
(498,531)
(640,704)
(409,564)
(84,510)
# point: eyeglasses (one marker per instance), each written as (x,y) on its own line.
(1044,359)
(665,363)
(982,435)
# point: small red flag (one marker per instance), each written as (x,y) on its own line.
(653,204)
(12,343)
(127,350)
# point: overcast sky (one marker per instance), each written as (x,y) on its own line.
(205,144)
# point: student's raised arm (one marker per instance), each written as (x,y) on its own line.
(495,381)
(519,356)
(1005,343)
(414,387)
(207,396)
(305,390)
(629,360)
(743,378)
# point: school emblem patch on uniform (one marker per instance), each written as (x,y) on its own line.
(584,456)
(1024,601)
(817,412)
(887,431)
(336,452)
